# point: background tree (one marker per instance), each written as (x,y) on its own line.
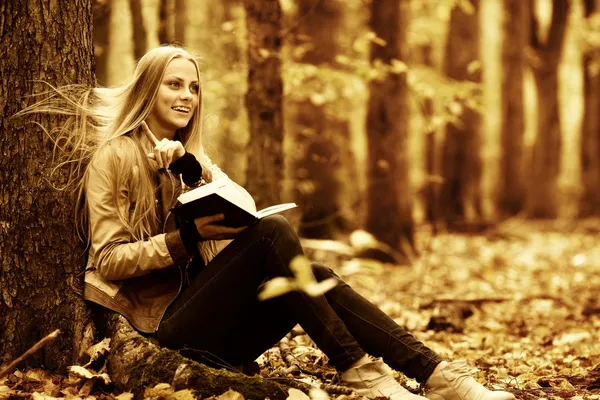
(515,35)
(321,160)
(101,37)
(542,194)
(590,130)
(461,162)
(39,270)
(139,29)
(264,101)
(389,202)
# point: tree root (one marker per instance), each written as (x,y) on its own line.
(136,363)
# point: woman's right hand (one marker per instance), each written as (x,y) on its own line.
(209,230)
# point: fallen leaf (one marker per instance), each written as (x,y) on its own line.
(85,373)
(318,394)
(125,396)
(99,349)
(295,394)
(230,395)
(187,394)
(162,390)
(5,392)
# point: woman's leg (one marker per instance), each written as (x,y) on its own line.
(377,333)
(206,314)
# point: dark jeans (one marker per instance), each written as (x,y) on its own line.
(219,314)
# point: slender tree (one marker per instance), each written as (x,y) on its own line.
(515,32)
(40,255)
(541,196)
(264,101)
(139,29)
(323,160)
(590,131)
(101,10)
(461,161)
(180,21)
(389,202)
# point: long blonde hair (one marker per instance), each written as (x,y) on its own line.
(97,119)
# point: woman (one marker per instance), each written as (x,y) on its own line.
(192,285)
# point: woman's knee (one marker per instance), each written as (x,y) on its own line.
(276,227)
(322,272)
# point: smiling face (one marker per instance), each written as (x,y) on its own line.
(176,100)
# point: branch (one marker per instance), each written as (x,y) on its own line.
(29,352)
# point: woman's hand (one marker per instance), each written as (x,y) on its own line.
(165,151)
(209,230)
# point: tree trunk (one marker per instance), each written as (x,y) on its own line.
(542,195)
(322,161)
(389,199)
(590,130)
(461,161)
(101,38)
(180,21)
(165,18)
(40,255)
(136,363)
(139,30)
(264,101)
(515,28)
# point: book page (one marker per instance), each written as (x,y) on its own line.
(275,209)
(230,193)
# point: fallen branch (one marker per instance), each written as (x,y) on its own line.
(498,299)
(29,352)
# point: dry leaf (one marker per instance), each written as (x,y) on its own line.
(318,394)
(99,349)
(5,392)
(295,394)
(162,390)
(125,396)
(41,396)
(185,394)
(230,395)
(85,373)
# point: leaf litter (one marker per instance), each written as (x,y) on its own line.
(527,302)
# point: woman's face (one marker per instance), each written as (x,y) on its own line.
(176,100)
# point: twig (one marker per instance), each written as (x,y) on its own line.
(288,357)
(29,352)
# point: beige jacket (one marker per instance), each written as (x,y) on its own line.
(138,279)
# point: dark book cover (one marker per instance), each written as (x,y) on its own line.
(211,205)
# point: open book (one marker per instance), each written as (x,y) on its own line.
(222,197)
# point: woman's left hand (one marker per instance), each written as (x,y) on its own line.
(165,151)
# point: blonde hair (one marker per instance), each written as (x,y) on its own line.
(98,119)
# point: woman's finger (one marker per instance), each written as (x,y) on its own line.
(170,151)
(158,157)
(148,133)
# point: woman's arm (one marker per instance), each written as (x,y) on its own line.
(116,255)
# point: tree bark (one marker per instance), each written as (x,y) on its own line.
(139,29)
(542,195)
(264,101)
(461,161)
(136,363)
(515,28)
(165,26)
(40,255)
(101,38)
(590,130)
(322,162)
(180,21)
(389,199)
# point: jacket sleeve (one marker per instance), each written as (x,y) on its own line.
(115,254)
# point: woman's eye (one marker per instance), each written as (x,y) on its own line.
(194,89)
(174,84)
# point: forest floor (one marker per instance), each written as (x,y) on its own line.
(520,303)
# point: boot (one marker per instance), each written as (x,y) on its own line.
(373,380)
(452,381)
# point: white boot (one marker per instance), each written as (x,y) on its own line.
(373,380)
(452,381)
